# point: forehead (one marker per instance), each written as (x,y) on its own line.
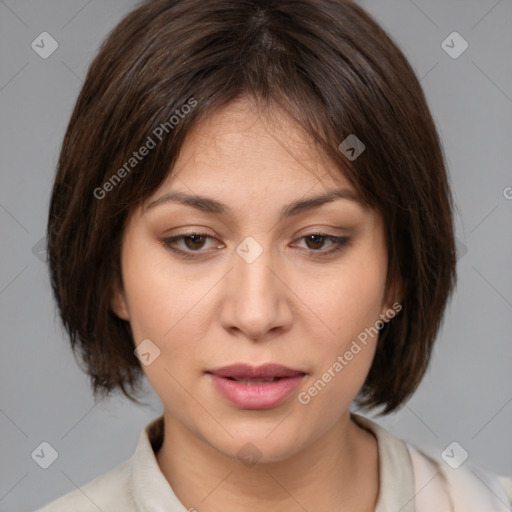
(242,150)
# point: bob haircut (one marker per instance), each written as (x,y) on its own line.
(327,65)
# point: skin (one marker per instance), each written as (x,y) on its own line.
(292,305)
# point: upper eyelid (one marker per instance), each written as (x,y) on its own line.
(312,230)
(208,235)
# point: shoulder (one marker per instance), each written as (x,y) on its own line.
(135,482)
(463,487)
(506,483)
(108,492)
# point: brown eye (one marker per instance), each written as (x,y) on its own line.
(194,241)
(191,243)
(315,242)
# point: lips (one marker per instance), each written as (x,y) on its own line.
(245,371)
(250,387)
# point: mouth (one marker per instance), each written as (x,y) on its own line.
(244,371)
(249,387)
(252,382)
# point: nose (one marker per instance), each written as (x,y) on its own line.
(257,302)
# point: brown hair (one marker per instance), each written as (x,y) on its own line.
(325,63)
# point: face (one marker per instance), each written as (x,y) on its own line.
(256,273)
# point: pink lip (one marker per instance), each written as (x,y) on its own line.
(264,395)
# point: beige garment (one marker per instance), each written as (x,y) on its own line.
(437,486)
(409,481)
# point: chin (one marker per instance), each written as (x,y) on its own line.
(259,447)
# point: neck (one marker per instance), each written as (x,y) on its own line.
(338,471)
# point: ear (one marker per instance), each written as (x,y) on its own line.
(118,303)
(393,296)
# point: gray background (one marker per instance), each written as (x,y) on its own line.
(467,393)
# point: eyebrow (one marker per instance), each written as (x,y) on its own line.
(209,205)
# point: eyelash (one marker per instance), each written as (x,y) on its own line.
(339,244)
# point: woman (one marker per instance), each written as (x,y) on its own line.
(252,210)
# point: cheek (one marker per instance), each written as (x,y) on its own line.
(345,357)
(161,300)
(172,310)
(167,309)
(349,303)
(330,393)
(349,299)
